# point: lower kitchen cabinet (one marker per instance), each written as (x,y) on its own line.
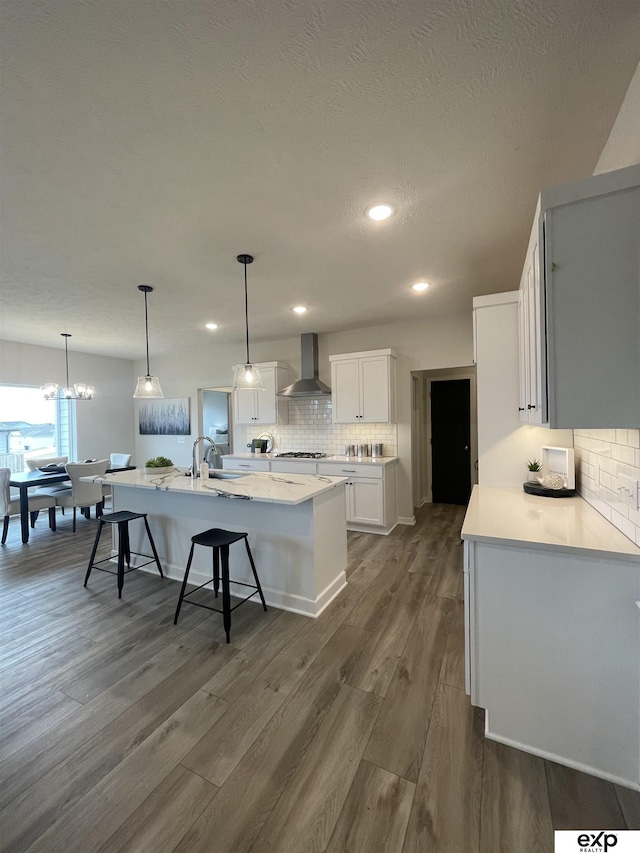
(230,464)
(365,501)
(552,644)
(371,489)
(371,494)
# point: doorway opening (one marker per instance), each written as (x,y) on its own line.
(444,435)
(214,420)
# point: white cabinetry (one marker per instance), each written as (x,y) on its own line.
(533,368)
(580,308)
(553,655)
(371,489)
(364,387)
(552,633)
(264,407)
(230,464)
(365,501)
(371,494)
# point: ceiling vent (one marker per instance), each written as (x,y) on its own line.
(309,385)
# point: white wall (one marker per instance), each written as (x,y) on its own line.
(504,443)
(104,424)
(109,422)
(422,345)
(623,146)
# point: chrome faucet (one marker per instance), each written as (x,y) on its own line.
(194,453)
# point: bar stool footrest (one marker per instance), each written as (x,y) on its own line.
(216,609)
(111,559)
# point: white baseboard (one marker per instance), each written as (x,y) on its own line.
(403,519)
(273,598)
(567,762)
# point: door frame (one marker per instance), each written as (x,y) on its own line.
(226,389)
(421,427)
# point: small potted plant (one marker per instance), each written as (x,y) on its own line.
(158,465)
(534,469)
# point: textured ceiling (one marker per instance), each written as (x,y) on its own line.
(151,141)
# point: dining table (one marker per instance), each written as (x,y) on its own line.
(26,480)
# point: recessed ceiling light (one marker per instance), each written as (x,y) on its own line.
(420,286)
(211,326)
(379,212)
(300,309)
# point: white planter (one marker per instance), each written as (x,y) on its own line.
(158,471)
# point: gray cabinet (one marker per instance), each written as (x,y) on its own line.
(581,305)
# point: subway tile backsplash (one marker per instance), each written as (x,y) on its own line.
(310,428)
(601,456)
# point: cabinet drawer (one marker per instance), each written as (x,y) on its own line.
(345,469)
(245,464)
(293,467)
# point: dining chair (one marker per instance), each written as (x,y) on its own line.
(83,494)
(41,462)
(116,460)
(11,506)
(119,460)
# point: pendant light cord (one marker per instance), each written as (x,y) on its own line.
(146,329)
(246,310)
(66,357)
(146,288)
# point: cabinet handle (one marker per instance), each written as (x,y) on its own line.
(348,471)
(530,406)
(521,408)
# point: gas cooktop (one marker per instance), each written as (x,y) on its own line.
(300,455)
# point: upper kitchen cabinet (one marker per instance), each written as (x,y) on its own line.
(580,306)
(364,387)
(533,356)
(264,407)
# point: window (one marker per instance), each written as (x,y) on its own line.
(31,426)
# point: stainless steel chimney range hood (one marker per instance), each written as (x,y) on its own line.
(309,385)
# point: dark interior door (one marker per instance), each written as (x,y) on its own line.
(451,441)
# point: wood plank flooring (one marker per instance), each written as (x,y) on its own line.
(347,734)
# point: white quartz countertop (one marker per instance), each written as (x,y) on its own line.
(509,516)
(273,457)
(258,486)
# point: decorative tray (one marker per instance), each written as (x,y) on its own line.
(544,492)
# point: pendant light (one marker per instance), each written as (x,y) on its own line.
(148,386)
(79,391)
(247,375)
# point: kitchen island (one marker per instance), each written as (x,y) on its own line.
(552,630)
(296,526)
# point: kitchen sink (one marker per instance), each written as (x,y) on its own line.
(216,474)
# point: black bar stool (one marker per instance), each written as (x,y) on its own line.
(219,540)
(122,519)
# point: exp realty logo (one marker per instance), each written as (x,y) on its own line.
(589,842)
(597,841)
